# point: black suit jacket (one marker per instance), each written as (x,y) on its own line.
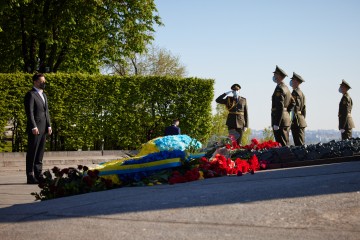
(37,112)
(172,130)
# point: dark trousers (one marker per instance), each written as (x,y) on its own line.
(298,134)
(282,136)
(347,134)
(34,155)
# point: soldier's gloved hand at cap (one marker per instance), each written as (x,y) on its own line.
(227,93)
(275,127)
(342,130)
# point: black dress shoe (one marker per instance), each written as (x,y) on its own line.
(32,181)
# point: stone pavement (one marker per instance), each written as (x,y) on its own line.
(317,202)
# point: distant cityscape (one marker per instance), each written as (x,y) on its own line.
(311,136)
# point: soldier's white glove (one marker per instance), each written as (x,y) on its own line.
(342,130)
(227,93)
(245,129)
(275,127)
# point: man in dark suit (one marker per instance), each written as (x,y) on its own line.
(346,123)
(298,122)
(173,129)
(237,120)
(282,103)
(38,124)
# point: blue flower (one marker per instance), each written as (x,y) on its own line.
(176,142)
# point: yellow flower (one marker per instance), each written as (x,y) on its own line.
(201,175)
(150,184)
(114,178)
(147,148)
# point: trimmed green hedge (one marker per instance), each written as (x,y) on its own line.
(124,111)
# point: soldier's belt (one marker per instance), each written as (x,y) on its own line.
(274,109)
(349,114)
(237,113)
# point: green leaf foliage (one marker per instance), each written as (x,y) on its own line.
(123,111)
(72,36)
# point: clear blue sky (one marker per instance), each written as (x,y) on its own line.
(238,41)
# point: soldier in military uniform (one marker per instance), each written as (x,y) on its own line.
(237,120)
(282,103)
(346,123)
(298,115)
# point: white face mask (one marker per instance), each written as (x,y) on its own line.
(274,79)
(236,93)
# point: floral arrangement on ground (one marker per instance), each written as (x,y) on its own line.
(164,160)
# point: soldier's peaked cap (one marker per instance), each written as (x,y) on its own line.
(235,85)
(344,83)
(297,77)
(280,71)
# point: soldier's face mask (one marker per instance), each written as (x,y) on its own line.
(340,91)
(291,83)
(274,79)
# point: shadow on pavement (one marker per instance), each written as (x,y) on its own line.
(263,186)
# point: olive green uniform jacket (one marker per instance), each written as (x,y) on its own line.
(345,118)
(282,103)
(238,111)
(299,109)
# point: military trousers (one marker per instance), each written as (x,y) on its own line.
(282,136)
(298,134)
(347,134)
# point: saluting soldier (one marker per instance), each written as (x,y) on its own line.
(298,122)
(282,103)
(237,120)
(346,123)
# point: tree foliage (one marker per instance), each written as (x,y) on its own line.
(268,134)
(73,35)
(155,61)
(219,127)
(123,111)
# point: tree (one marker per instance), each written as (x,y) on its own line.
(246,137)
(155,61)
(76,35)
(218,121)
(268,134)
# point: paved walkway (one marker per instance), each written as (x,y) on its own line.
(317,202)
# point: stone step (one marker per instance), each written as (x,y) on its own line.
(65,158)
